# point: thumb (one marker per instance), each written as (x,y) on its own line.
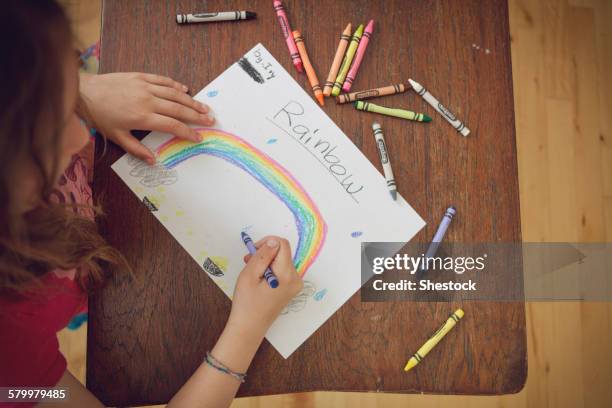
(262,258)
(131,145)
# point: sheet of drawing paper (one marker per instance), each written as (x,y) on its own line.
(274,164)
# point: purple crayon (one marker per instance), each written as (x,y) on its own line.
(268,274)
(363,44)
(438,236)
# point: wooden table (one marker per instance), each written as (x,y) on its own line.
(146,337)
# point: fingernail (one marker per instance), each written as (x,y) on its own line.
(272,243)
(196,136)
(202,107)
(207,118)
(185,88)
(151,160)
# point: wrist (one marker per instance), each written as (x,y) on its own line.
(236,347)
(247,329)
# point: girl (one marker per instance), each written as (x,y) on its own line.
(50,251)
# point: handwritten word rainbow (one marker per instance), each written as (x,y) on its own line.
(311,227)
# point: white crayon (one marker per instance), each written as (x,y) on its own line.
(384,159)
(448,115)
(211,17)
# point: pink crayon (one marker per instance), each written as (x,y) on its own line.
(363,44)
(288,34)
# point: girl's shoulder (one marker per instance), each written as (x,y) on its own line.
(74,186)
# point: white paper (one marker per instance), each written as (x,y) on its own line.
(206,201)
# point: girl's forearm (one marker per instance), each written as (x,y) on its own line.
(209,387)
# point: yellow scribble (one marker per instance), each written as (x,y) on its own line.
(220,261)
(202,256)
(180,213)
(157,200)
(189,232)
(161,189)
(164,218)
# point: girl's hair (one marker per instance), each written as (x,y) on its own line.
(35,42)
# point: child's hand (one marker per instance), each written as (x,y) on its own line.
(122,102)
(255,305)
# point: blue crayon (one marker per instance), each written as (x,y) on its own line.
(438,236)
(268,274)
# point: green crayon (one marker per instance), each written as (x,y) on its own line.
(398,113)
(346,62)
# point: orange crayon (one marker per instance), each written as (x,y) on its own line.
(345,37)
(310,72)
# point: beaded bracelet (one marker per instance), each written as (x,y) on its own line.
(214,363)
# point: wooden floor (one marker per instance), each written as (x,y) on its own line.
(562,62)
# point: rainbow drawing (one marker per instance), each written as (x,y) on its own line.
(311,227)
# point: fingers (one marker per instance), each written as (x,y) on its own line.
(166,124)
(131,145)
(172,94)
(282,266)
(262,258)
(164,81)
(181,112)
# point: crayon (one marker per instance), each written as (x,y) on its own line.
(310,72)
(371,93)
(333,71)
(346,61)
(211,17)
(363,44)
(448,115)
(438,236)
(268,274)
(286,28)
(435,339)
(384,159)
(398,113)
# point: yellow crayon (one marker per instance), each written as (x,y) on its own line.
(433,340)
(346,62)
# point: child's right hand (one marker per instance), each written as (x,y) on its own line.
(255,305)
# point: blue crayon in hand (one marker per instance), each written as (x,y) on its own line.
(437,239)
(268,274)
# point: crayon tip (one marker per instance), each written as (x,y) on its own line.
(243,234)
(250,15)
(370,26)
(410,364)
(426,118)
(393,194)
(320,99)
(299,66)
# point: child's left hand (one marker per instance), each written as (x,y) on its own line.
(121,102)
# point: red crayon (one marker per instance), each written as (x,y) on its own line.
(288,34)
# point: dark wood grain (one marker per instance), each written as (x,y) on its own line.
(146,336)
